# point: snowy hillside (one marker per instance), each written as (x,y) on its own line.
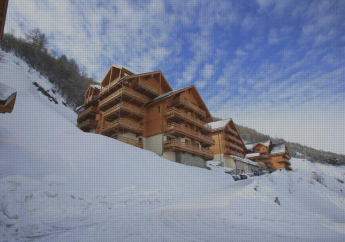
(60,184)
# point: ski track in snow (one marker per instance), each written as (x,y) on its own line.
(60,184)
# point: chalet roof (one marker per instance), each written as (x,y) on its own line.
(97,87)
(277,149)
(264,142)
(123,67)
(168,94)
(219,125)
(244,160)
(6,92)
(79,108)
(151,73)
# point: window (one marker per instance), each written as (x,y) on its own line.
(159,109)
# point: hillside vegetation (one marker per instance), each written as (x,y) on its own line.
(296,150)
(69,80)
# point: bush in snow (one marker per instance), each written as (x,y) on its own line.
(317,177)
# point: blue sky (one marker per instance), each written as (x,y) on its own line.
(276,66)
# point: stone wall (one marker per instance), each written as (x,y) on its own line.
(190,160)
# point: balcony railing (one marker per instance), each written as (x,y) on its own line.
(173,112)
(87,125)
(107,90)
(129,141)
(92,100)
(126,108)
(122,124)
(174,128)
(128,94)
(145,88)
(232,138)
(179,146)
(87,113)
(190,106)
(233,152)
(231,131)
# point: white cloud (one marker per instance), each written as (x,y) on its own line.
(200,84)
(273,37)
(208,71)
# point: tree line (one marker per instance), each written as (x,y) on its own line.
(69,80)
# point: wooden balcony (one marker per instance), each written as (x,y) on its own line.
(87,125)
(112,86)
(233,152)
(145,89)
(129,141)
(126,109)
(180,130)
(230,131)
(233,139)
(128,95)
(178,115)
(177,146)
(122,124)
(179,102)
(87,113)
(91,101)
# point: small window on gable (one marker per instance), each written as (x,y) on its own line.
(159,109)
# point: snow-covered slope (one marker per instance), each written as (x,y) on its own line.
(60,184)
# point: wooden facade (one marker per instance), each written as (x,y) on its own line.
(182,117)
(228,140)
(229,147)
(137,108)
(3,12)
(274,156)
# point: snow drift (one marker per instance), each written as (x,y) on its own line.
(58,183)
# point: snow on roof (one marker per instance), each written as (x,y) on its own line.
(97,87)
(264,142)
(5,92)
(124,67)
(167,94)
(78,108)
(278,149)
(219,124)
(251,155)
(244,160)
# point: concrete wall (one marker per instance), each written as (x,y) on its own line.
(242,166)
(190,160)
(154,143)
(170,156)
(228,162)
(251,167)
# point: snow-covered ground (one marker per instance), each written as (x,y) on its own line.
(60,184)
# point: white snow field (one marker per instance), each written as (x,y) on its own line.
(60,184)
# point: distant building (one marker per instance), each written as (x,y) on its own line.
(3,12)
(144,111)
(274,156)
(229,147)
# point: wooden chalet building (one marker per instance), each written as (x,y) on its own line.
(3,12)
(274,156)
(229,147)
(144,111)
(176,127)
